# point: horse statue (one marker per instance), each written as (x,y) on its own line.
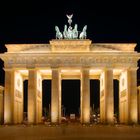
(58,33)
(75,32)
(65,32)
(83,34)
(69,33)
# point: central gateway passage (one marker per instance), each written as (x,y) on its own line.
(70,97)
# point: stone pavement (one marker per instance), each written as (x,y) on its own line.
(70,132)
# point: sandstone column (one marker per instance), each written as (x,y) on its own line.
(85,96)
(34,97)
(1,105)
(56,96)
(132,92)
(106,96)
(128,97)
(18,98)
(123,98)
(39,98)
(9,96)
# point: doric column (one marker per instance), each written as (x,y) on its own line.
(1,105)
(132,92)
(39,98)
(13,97)
(106,96)
(34,96)
(123,98)
(9,96)
(85,96)
(56,96)
(128,97)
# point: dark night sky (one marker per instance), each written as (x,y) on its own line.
(33,22)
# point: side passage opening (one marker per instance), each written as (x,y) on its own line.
(116,100)
(25,98)
(46,99)
(95,100)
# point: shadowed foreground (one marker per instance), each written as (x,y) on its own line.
(69,132)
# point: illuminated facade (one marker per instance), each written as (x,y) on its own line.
(70,59)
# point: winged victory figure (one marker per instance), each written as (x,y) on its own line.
(69,19)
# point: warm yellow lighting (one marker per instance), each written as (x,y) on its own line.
(45,72)
(110,115)
(31,115)
(95,71)
(70,59)
(70,71)
(54,116)
(23,72)
(134,115)
(7,115)
(117,71)
(70,45)
(86,115)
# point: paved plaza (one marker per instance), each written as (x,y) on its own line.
(70,132)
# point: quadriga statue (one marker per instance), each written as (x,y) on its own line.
(69,32)
(65,32)
(83,34)
(75,32)
(58,33)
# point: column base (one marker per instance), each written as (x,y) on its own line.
(54,124)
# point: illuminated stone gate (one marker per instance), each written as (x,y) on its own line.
(70,59)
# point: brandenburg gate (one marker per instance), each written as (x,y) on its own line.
(70,59)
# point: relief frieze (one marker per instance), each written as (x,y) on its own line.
(71,61)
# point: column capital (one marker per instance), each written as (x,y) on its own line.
(85,68)
(55,68)
(1,88)
(35,69)
(135,68)
(9,69)
(138,87)
(130,68)
(107,68)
